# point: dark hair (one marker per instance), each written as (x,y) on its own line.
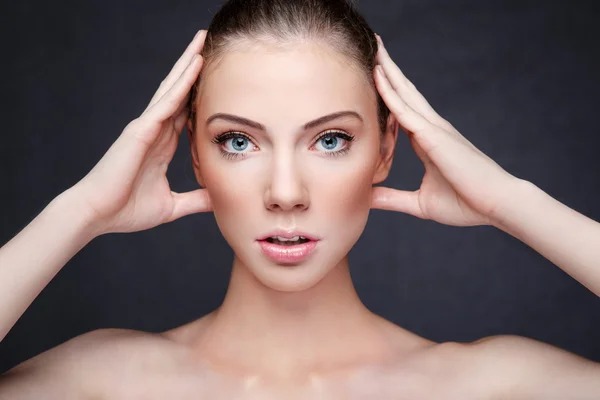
(336,21)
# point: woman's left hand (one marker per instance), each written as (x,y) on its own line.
(462,186)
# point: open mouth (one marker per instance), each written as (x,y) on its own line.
(287,242)
(288,251)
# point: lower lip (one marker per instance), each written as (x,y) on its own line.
(287,254)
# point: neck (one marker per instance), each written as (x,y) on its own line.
(283,333)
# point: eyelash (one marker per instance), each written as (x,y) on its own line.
(234,134)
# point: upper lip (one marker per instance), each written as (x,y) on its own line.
(288,234)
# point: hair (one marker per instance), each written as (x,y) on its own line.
(337,22)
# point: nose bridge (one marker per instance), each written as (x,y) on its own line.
(286,190)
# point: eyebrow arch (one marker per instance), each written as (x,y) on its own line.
(309,125)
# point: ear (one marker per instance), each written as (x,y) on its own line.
(194,153)
(386,150)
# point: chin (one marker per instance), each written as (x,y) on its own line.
(291,277)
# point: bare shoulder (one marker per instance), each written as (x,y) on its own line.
(518,367)
(496,367)
(82,366)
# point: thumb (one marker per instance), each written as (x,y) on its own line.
(193,202)
(407,202)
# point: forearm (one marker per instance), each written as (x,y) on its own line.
(568,239)
(30,260)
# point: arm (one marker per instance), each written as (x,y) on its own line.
(565,237)
(127,191)
(464,187)
(31,259)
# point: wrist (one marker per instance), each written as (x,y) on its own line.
(519,195)
(75,210)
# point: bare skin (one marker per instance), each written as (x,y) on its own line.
(124,364)
(393,364)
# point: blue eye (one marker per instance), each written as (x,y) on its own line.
(329,142)
(233,144)
(239,143)
(334,142)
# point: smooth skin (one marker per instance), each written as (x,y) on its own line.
(461,187)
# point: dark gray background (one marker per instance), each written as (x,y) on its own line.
(519,79)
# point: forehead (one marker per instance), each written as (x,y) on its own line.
(299,81)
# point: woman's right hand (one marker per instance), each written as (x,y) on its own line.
(127,190)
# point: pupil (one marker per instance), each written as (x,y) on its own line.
(329,142)
(240,143)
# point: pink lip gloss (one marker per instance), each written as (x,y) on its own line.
(287,253)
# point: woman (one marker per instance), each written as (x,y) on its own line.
(290,128)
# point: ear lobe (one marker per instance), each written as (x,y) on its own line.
(386,151)
(194,154)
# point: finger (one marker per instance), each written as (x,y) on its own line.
(407,202)
(181,119)
(404,113)
(420,152)
(195,47)
(427,142)
(429,136)
(193,202)
(169,136)
(406,89)
(411,96)
(175,98)
(185,102)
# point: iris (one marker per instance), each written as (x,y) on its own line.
(239,143)
(329,142)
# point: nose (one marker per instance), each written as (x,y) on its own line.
(286,190)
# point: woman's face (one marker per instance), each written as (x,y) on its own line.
(276,173)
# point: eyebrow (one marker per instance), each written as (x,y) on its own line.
(309,125)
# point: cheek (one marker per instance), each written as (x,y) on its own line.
(341,193)
(347,193)
(339,189)
(226,191)
(233,192)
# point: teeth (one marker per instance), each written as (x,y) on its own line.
(282,239)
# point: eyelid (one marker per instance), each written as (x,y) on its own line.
(335,132)
(225,136)
(231,134)
(228,135)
